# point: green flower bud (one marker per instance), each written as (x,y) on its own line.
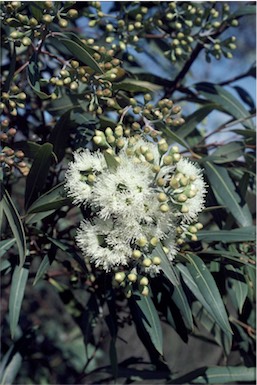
(26,41)
(167,160)
(73,13)
(144,281)
(47,19)
(156,168)
(162,197)
(119,277)
(184,209)
(199,226)
(182,198)
(149,156)
(154,241)
(164,208)
(160,182)
(132,277)
(192,229)
(145,291)
(136,254)
(176,157)
(63,23)
(141,242)
(156,261)
(147,262)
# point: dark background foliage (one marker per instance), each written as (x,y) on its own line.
(62,321)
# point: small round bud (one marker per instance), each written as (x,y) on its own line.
(192,229)
(182,198)
(184,209)
(22,96)
(165,249)
(199,226)
(164,208)
(176,157)
(147,262)
(47,19)
(136,254)
(174,183)
(144,281)
(156,168)
(74,64)
(26,41)
(119,277)
(72,13)
(91,178)
(162,197)
(74,86)
(167,160)
(132,277)
(154,241)
(149,156)
(145,291)
(141,242)
(194,238)
(160,182)
(156,261)
(183,181)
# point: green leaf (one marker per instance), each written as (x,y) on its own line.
(217,375)
(224,189)
(191,284)
(30,149)
(12,67)
(245,96)
(194,119)
(38,173)
(236,286)
(180,299)
(148,316)
(230,255)
(134,85)
(6,245)
(244,11)
(205,318)
(43,267)
(15,223)
(166,265)
(227,102)
(50,201)
(227,153)
(33,76)
(209,290)
(110,161)
(60,134)
(70,252)
(18,285)
(235,235)
(81,54)
(10,366)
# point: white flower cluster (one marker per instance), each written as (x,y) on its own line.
(139,195)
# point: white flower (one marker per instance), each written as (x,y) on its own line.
(84,163)
(99,243)
(124,191)
(195,204)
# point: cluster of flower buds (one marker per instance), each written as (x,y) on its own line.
(130,281)
(10,159)
(12,100)
(182,23)
(28,19)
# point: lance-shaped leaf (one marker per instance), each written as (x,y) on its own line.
(236,286)
(180,299)
(224,189)
(148,317)
(227,102)
(242,234)
(18,285)
(194,119)
(15,223)
(217,375)
(6,245)
(81,54)
(38,173)
(208,288)
(33,76)
(10,365)
(51,200)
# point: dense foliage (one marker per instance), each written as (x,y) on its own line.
(103,129)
